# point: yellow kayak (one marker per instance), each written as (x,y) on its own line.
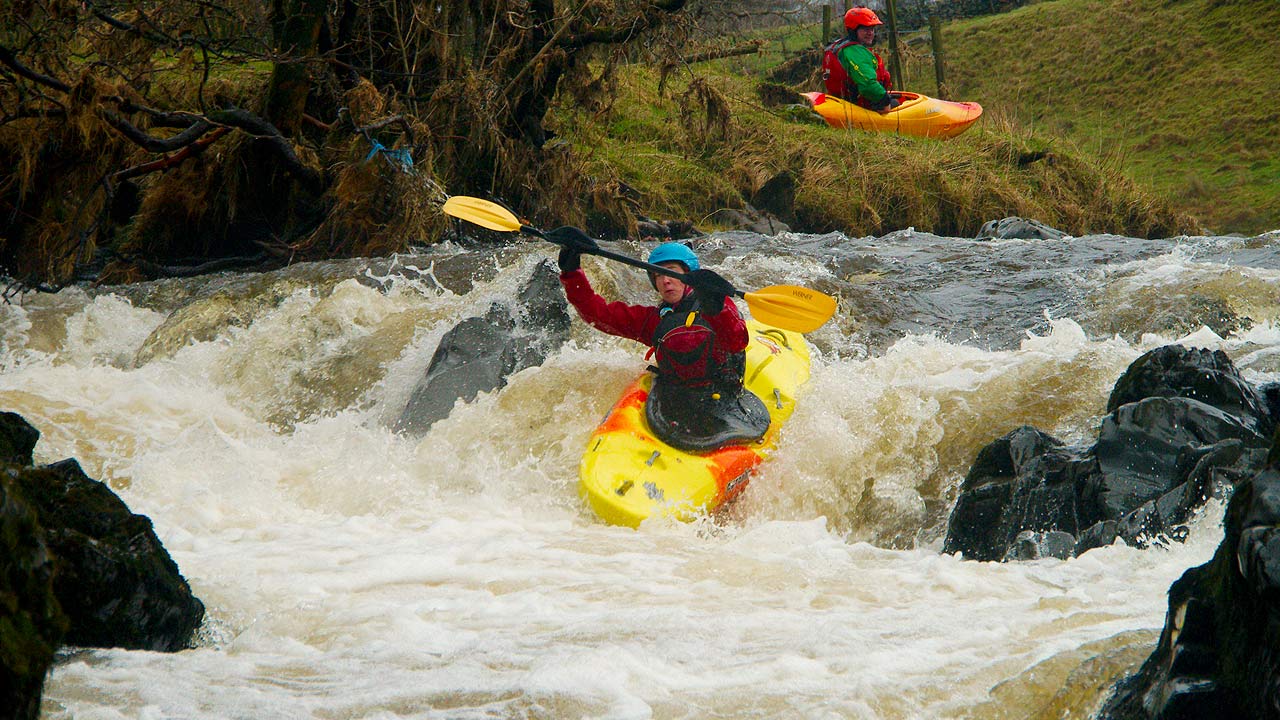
(628,474)
(918,115)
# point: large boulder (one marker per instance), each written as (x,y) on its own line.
(113,578)
(479,354)
(17,439)
(1199,374)
(1217,653)
(1183,427)
(32,624)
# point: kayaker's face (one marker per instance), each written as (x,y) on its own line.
(671,289)
(866,35)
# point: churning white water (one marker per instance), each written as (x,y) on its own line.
(350,572)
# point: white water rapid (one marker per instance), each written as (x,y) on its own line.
(353,573)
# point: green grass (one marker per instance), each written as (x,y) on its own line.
(1128,116)
(707,141)
(1180,95)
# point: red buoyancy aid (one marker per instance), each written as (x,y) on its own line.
(836,79)
(834,76)
(684,346)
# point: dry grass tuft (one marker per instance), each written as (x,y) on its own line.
(705,115)
(365,103)
(376,207)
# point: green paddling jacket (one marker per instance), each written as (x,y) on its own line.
(867,73)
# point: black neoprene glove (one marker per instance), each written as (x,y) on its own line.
(711,288)
(886,104)
(572,237)
(573,243)
(569,259)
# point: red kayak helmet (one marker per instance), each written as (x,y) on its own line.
(859,16)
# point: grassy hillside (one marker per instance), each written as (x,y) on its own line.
(1147,118)
(1179,94)
(712,137)
(1126,116)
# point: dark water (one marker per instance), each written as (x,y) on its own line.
(990,293)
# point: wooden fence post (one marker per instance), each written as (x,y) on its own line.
(826,23)
(935,33)
(895,63)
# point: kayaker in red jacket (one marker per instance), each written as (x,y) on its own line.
(697,336)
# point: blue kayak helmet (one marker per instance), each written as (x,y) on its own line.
(672,252)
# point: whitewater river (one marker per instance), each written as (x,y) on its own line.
(350,572)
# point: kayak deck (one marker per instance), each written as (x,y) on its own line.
(628,475)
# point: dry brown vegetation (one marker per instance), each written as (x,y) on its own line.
(156,132)
(144,139)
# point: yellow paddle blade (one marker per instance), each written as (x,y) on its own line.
(484,213)
(791,307)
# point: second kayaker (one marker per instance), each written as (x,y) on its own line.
(852,71)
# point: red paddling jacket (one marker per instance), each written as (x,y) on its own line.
(692,347)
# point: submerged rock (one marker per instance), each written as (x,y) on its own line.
(1011,228)
(1183,427)
(479,354)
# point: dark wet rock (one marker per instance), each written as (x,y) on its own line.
(1271,396)
(1024,481)
(1159,456)
(32,624)
(1029,545)
(1217,653)
(751,220)
(647,229)
(777,196)
(115,583)
(17,439)
(113,578)
(1205,375)
(479,354)
(1011,228)
(1158,443)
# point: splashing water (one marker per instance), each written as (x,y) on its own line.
(350,572)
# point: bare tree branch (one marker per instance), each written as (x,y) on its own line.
(164,163)
(8,58)
(244,120)
(150,142)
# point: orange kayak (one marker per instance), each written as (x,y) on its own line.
(918,115)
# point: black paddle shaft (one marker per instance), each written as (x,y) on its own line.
(682,277)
